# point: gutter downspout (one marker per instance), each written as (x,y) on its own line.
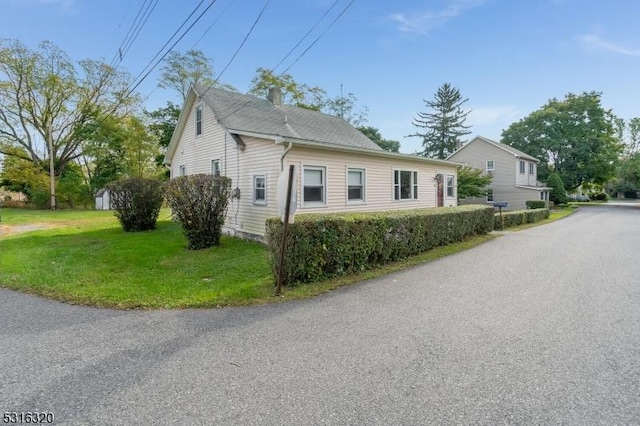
(284,154)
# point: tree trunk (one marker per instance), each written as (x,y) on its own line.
(52,168)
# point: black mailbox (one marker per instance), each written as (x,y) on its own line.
(500,204)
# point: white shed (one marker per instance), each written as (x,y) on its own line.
(103,201)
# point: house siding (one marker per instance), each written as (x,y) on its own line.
(506,175)
(379,180)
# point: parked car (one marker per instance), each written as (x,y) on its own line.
(578,197)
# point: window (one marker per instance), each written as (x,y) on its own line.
(450,189)
(260,189)
(491,167)
(489,195)
(532,168)
(314,187)
(522,166)
(215,167)
(355,185)
(405,185)
(182,171)
(198,120)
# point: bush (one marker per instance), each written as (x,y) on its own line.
(328,245)
(520,217)
(199,202)
(536,204)
(602,196)
(136,202)
(558,194)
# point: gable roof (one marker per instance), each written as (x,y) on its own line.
(248,113)
(515,152)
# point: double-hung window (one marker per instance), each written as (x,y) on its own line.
(182,171)
(314,186)
(489,195)
(450,187)
(532,168)
(522,167)
(259,189)
(215,167)
(405,185)
(355,185)
(198,120)
(491,167)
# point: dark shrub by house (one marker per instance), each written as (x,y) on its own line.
(323,246)
(558,193)
(536,204)
(199,202)
(601,196)
(136,202)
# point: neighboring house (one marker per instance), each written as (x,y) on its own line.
(251,140)
(515,174)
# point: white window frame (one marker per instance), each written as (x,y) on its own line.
(323,202)
(522,167)
(198,120)
(491,170)
(490,195)
(215,163)
(532,168)
(256,200)
(452,187)
(397,190)
(182,170)
(363,174)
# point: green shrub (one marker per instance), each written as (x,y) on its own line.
(328,245)
(601,196)
(558,194)
(520,217)
(136,202)
(536,204)
(199,202)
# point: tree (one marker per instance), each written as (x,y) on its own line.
(558,193)
(45,102)
(443,124)
(374,134)
(294,93)
(472,182)
(181,70)
(574,137)
(345,108)
(162,124)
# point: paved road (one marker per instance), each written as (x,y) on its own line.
(536,327)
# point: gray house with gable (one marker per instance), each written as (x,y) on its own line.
(515,173)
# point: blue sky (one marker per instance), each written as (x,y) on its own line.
(507,56)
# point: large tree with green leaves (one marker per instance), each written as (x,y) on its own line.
(374,134)
(442,126)
(293,93)
(46,101)
(575,137)
(182,69)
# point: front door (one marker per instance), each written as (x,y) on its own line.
(440,191)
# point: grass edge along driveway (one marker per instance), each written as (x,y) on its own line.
(84,257)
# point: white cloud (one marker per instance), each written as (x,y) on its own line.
(592,41)
(425,21)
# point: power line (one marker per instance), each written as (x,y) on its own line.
(305,36)
(246,37)
(213,23)
(139,21)
(137,31)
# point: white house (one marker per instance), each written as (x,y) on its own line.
(251,140)
(515,173)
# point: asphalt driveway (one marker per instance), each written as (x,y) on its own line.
(540,326)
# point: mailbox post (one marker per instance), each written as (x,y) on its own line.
(500,205)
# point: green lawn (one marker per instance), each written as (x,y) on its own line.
(85,258)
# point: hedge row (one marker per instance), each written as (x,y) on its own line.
(536,204)
(520,217)
(329,245)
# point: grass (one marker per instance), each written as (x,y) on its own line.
(85,258)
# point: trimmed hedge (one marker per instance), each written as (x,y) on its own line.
(536,204)
(520,217)
(320,246)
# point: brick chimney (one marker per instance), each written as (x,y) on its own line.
(275,96)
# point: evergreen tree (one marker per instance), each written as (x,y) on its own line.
(443,124)
(558,194)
